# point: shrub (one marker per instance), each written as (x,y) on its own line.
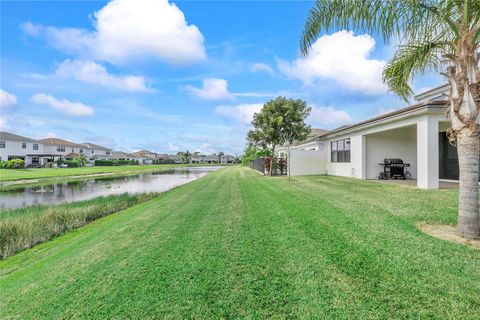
(12,164)
(72,163)
(115,162)
(104,162)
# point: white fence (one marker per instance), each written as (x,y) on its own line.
(307,162)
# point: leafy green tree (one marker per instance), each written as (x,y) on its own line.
(251,153)
(438,35)
(277,117)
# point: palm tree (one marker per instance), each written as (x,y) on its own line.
(442,36)
(82,160)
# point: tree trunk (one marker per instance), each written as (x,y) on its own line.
(271,160)
(468,146)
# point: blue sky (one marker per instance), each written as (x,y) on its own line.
(171,76)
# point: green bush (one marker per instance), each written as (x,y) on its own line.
(72,163)
(115,162)
(12,164)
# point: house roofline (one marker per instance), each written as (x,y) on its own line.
(432,105)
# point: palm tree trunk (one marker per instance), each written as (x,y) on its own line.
(468,146)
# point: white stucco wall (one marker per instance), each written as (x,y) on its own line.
(14,148)
(398,143)
(354,168)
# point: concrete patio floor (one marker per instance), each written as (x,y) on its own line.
(413,183)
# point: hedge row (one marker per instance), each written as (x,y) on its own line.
(106,163)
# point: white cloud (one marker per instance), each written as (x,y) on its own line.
(126,30)
(242,113)
(7,99)
(64,106)
(94,73)
(343,58)
(261,67)
(329,116)
(172,147)
(212,89)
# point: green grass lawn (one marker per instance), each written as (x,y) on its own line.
(235,244)
(42,173)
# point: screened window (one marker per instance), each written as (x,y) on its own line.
(2,143)
(61,149)
(24,145)
(340,150)
(35,146)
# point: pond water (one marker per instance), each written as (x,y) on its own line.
(93,187)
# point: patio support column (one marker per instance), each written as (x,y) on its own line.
(427,153)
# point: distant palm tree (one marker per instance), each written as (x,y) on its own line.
(220,155)
(82,160)
(443,36)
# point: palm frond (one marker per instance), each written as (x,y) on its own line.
(410,60)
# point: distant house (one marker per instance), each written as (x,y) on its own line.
(212,158)
(60,148)
(13,146)
(227,158)
(197,157)
(120,155)
(95,152)
(147,157)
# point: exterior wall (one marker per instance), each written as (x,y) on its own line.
(14,148)
(398,143)
(52,149)
(354,168)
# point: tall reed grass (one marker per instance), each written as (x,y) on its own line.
(26,227)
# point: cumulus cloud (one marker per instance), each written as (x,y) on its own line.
(261,67)
(94,73)
(329,116)
(241,113)
(126,30)
(342,57)
(7,99)
(172,147)
(64,106)
(212,89)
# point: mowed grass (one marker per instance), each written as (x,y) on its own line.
(42,173)
(235,244)
(26,227)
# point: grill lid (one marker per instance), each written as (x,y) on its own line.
(393,161)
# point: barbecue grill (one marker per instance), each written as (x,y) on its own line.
(394,169)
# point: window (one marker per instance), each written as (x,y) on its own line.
(24,145)
(35,146)
(81,150)
(2,143)
(60,149)
(107,153)
(92,151)
(340,150)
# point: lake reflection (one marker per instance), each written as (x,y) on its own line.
(94,187)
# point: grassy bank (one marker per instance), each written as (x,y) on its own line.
(49,173)
(26,227)
(235,244)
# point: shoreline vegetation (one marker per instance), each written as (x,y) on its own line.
(9,179)
(238,244)
(27,227)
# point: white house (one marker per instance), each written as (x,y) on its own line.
(227,158)
(95,152)
(416,134)
(59,148)
(13,146)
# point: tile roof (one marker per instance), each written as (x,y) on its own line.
(15,137)
(61,142)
